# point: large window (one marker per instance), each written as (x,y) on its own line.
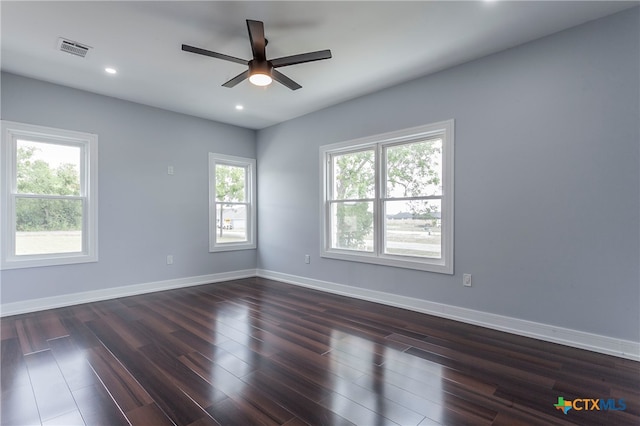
(49,196)
(232,213)
(388,199)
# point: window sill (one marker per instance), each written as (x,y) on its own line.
(432,265)
(232,247)
(51,260)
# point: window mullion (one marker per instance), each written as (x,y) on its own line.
(83,171)
(421,197)
(330,178)
(378,226)
(233,203)
(10,231)
(84,244)
(353,200)
(332,197)
(50,197)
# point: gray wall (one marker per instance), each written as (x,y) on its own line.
(547,182)
(144,214)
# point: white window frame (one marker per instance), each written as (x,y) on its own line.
(250,184)
(11,132)
(444,265)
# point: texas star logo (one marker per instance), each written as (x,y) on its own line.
(563,405)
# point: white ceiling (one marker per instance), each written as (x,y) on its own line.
(374,45)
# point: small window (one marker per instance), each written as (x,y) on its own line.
(49,212)
(232,213)
(388,199)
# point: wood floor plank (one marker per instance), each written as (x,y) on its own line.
(308,410)
(296,421)
(260,352)
(72,418)
(228,413)
(34,330)
(457,360)
(354,412)
(240,391)
(379,402)
(51,391)
(433,410)
(72,362)
(8,329)
(307,340)
(117,380)
(190,323)
(519,419)
(217,376)
(193,385)
(288,376)
(262,409)
(148,414)
(13,371)
(181,409)
(154,320)
(157,336)
(19,406)
(424,370)
(381,348)
(248,348)
(125,329)
(238,363)
(631,397)
(83,337)
(97,407)
(317,367)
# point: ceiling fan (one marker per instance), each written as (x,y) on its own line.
(262,71)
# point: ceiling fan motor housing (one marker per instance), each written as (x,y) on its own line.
(260,67)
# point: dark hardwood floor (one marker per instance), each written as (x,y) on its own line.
(261,352)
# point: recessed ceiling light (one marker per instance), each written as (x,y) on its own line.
(110,70)
(239,107)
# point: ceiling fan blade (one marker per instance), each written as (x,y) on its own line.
(258,42)
(284,80)
(237,79)
(216,55)
(301,58)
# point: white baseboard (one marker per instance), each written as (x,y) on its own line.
(53,302)
(574,338)
(568,337)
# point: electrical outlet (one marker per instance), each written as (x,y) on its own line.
(466,280)
(307,258)
(170,259)
(170,170)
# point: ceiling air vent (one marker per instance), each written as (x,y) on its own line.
(72,47)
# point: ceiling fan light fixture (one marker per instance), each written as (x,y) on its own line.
(260,73)
(260,79)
